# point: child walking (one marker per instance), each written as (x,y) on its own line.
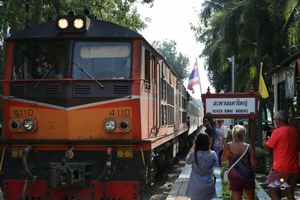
(201,184)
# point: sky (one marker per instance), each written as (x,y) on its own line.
(170,20)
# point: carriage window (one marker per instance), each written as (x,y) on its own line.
(147,65)
(102,60)
(43,59)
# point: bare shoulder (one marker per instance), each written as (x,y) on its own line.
(238,148)
(229,143)
(226,145)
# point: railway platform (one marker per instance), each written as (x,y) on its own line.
(180,185)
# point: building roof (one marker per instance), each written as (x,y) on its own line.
(283,64)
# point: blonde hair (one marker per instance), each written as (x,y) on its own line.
(239,133)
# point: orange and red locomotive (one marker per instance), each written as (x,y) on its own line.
(91,111)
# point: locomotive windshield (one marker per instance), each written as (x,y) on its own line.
(36,60)
(50,60)
(102,60)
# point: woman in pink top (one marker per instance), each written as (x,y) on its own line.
(284,143)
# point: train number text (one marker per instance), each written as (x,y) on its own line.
(22,112)
(120,113)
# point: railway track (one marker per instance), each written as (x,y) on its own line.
(164,180)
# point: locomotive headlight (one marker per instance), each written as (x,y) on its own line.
(29,124)
(124,125)
(63,23)
(110,125)
(78,23)
(72,23)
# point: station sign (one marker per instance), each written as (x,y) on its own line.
(230,105)
(227,105)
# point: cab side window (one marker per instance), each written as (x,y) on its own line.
(147,65)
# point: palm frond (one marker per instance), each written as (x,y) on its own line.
(291,14)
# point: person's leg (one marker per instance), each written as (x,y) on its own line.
(236,195)
(274,193)
(290,194)
(236,187)
(217,150)
(250,194)
(292,181)
(220,156)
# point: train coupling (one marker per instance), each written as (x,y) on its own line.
(69,175)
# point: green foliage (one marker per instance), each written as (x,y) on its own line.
(226,193)
(261,157)
(253,31)
(118,11)
(16,14)
(177,61)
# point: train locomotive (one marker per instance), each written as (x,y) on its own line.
(90,110)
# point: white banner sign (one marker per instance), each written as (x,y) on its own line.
(227,106)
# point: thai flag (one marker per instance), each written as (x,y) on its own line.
(194,78)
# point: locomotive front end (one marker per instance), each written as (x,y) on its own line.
(70,112)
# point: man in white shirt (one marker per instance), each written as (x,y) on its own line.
(223,134)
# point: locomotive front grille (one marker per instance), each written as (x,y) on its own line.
(121,89)
(53,89)
(17,89)
(82,89)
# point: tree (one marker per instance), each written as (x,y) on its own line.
(18,14)
(177,61)
(253,31)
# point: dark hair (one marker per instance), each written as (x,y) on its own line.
(207,117)
(282,115)
(201,143)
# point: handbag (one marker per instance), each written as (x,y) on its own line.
(225,176)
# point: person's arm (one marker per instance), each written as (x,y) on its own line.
(190,156)
(225,132)
(223,141)
(211,135)
(210,142)
(264,140)
(215,158)
(224,157)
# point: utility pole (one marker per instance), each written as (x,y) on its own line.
(231,59)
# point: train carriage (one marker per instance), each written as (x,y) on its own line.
(91,111)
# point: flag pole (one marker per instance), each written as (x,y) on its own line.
(200,79)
